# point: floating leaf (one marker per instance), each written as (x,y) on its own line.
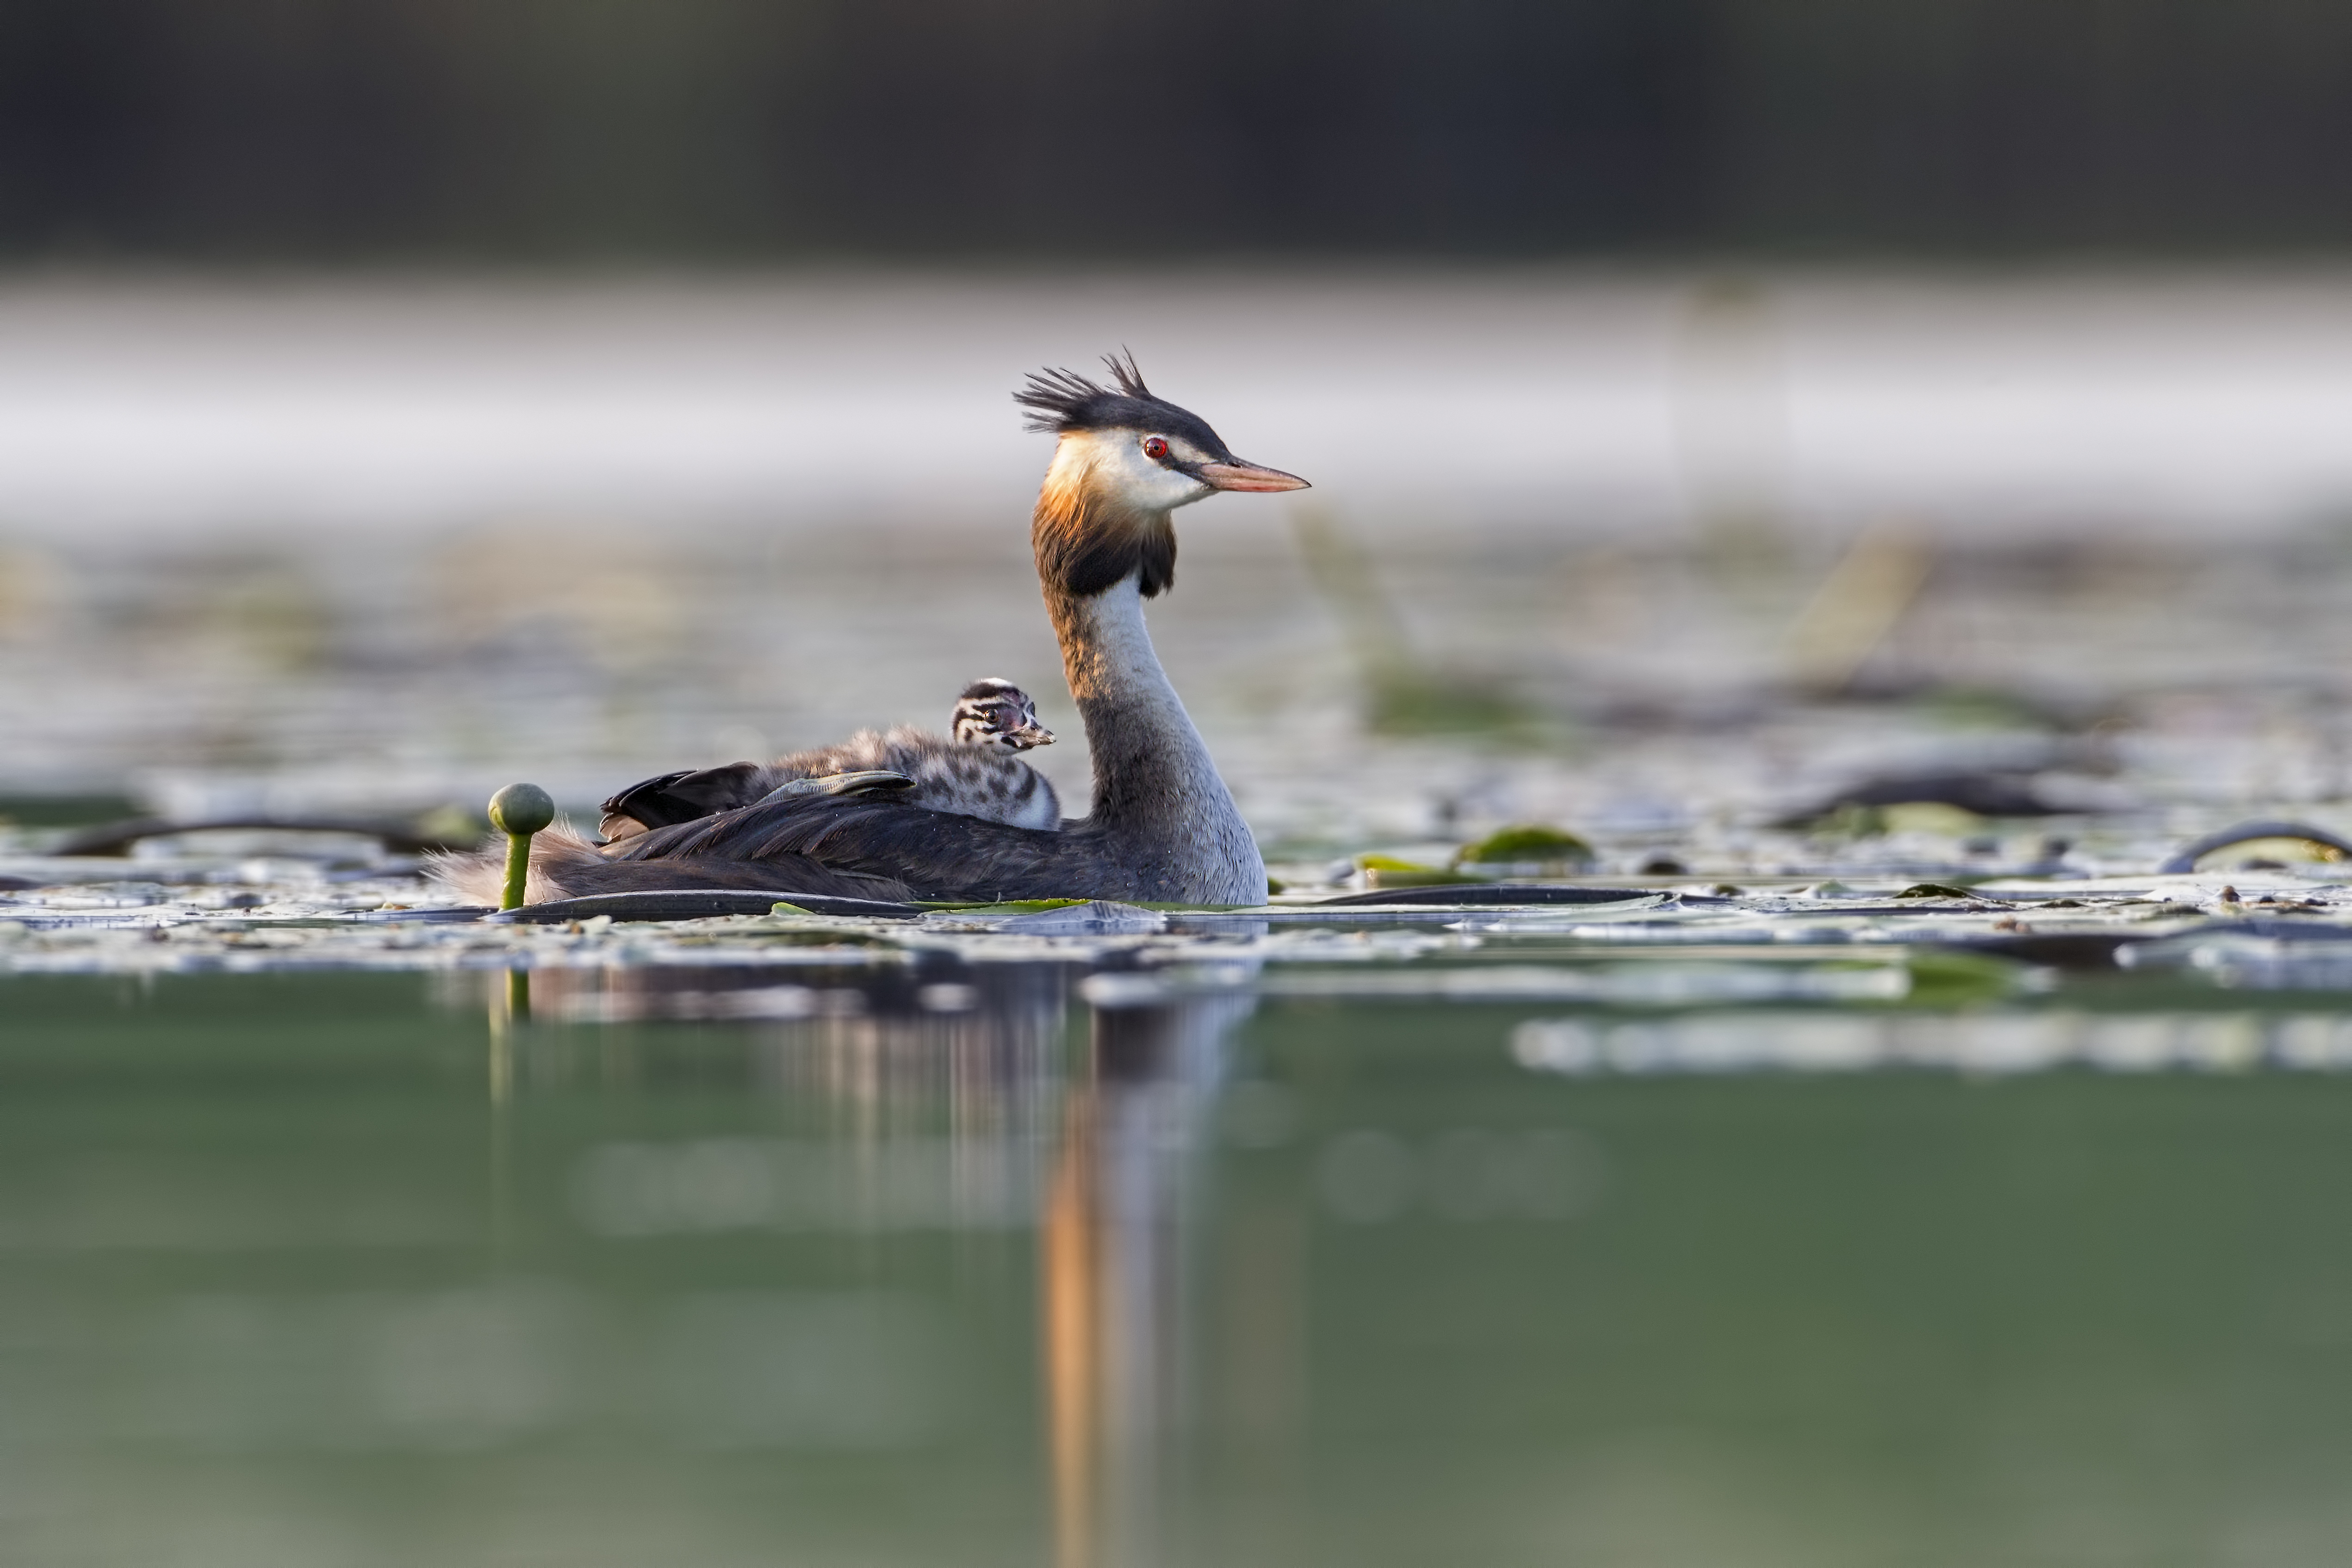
(1938,818)
(1527,845)
(2254,852)
(2276,843)
(1387,871)
(1391,863)
(1944,979)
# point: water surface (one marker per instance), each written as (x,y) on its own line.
(956,1267)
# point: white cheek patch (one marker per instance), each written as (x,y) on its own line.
(1113,461)
(1150,483)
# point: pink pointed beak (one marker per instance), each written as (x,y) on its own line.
(1240,475)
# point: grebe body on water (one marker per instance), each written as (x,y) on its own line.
(1162,827)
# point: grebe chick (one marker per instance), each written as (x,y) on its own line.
(992,711)
(976,771)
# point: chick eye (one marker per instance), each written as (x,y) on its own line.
(1154,448)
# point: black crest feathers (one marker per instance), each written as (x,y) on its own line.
(1060,402)
(1129,379)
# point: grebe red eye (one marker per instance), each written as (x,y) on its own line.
(1154,448)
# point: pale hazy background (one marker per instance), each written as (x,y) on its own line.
(1653,554)
(1556,399)
(1710,403)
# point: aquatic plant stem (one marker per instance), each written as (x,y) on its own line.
(518,870)
(519,810)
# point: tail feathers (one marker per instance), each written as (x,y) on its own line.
(560,860)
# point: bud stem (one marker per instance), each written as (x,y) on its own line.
(518,870)
(519,811)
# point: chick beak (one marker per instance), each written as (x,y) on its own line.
(1240,475)
(1029,735)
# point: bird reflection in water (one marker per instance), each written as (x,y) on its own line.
(1096,1138)
(1113,1250)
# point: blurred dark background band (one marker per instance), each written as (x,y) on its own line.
(757,130)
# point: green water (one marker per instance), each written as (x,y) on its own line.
(352,1270)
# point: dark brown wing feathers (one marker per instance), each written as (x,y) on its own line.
(683,796)
(866,848)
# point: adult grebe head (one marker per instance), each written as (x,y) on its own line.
(994,711)
(1125,460)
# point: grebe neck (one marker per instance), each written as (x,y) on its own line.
(1156,788)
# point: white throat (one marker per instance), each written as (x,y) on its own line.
(1155,784)
(1124,659)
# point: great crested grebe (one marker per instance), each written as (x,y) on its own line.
(974,771)
(1163,828)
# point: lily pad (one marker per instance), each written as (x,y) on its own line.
(1545,848)
(1946,980)
(1935,818)
(2281,844)
(1387,871)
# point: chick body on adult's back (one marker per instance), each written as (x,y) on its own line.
(974,771)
